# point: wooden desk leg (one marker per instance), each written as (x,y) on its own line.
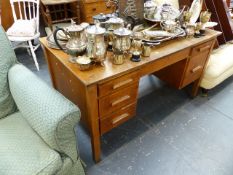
(196,85)
(195,88)
(93,121)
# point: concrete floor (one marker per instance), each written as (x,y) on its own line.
(171,134)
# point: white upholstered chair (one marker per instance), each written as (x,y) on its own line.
(219,68)
(26,25)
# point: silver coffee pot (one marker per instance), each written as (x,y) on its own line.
(96,47)
(122,40)
(76,44)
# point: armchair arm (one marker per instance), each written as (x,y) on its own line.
(50,114)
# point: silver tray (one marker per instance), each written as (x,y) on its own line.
(179,33)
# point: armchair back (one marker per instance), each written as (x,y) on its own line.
(7,60)
(50,114)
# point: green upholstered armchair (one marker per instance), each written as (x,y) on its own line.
(37,123)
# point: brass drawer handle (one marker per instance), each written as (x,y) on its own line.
(204,48)
(122,83)
(120,100)
(196,69)
(127,106)
(118,119)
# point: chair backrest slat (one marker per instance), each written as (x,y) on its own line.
(24,9)
(20,12)
(13,10)
(34,12)
(28,9)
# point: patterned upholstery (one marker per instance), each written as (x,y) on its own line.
(39,139)
(71,169)
(22,152)
(7,59)
(51,115)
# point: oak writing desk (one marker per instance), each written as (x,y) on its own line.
(107,96)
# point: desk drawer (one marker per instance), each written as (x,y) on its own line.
(117,100)
(202,48)
(92,9)
(117,118)
(195,68)
(117,84)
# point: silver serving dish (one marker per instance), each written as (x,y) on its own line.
(178,32)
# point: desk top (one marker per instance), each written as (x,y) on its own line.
(100,74)
(54,2)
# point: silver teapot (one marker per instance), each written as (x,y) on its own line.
(96,47)
(110,25)
(76,44)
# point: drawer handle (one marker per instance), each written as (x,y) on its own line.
(196,69)
(120,100)
(118,119)
(122,83)
(127,106)
(204,48)
(94,9)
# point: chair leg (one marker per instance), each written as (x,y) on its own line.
(29,50)
(204,92)
(33,55)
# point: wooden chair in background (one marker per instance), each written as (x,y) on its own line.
(60,11)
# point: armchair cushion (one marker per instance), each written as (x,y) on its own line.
(22,151)
(49,113)
(7,59)
(219,68)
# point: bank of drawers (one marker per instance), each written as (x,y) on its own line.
(117,101)
(90,8)
(196,63)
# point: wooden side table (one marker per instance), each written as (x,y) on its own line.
(58,11)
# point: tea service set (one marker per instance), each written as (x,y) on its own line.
(87,45)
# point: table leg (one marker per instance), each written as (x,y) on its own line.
(93,120)
(195,88)
(196,85)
